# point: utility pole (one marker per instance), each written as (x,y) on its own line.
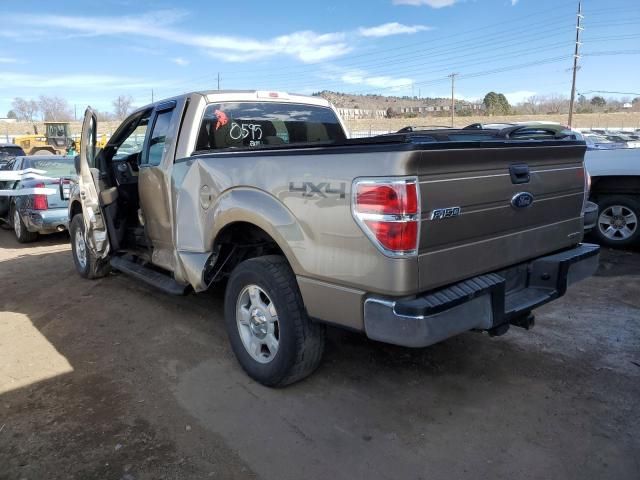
(576,56)
(152,95)
(218,80)
(453,97)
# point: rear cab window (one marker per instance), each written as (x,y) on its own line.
(58,166)
(257,124)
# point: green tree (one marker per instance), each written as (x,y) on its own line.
(496,104)
(12,114)
(598,102)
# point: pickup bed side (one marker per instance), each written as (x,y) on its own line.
(302,199)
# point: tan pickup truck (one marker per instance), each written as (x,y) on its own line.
(409,238)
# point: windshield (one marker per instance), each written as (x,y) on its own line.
(254,124)
(7,153)
(57,130)
(53,167)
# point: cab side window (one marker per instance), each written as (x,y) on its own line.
(158,137)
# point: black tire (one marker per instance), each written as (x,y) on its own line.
(606,204)
(301,341)
(20,229)
(43,151)
(92,267)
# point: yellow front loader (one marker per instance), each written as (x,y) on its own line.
(56,140)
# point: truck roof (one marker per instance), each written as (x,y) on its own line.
(213,96)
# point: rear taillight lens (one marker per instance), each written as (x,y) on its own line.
(587,187)
(388,211)
(40,199)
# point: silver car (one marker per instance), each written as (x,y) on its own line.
(39,205)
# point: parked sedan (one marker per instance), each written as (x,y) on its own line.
(39,205)
(8,152)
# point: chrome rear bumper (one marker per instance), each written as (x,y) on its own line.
(484,302)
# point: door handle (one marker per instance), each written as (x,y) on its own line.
(519,174)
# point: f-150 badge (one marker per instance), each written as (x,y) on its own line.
(442,213)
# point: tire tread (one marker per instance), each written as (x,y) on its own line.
(309,336)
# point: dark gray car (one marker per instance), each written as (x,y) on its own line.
(39,205)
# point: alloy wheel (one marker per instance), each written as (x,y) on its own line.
(257,321)
(617,222)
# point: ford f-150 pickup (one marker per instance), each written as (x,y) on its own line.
(410,238)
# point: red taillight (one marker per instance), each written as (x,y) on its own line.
(387,199)
(389,213)
(40,199)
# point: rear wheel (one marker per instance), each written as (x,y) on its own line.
(271,335)
(20,229)
(87,264)
(618,218)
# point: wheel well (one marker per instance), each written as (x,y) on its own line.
(619,185)
(235,243)
(74,210)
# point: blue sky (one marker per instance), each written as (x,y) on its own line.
(92,51)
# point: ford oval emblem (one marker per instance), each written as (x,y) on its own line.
(522,200)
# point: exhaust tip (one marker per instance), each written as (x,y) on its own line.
(61,228)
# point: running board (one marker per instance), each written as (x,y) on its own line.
(151,277)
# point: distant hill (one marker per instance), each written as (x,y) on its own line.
(382,102)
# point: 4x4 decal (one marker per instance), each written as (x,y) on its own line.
(323,189)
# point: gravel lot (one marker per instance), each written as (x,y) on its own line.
(109,379)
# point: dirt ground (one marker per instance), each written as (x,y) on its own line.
(109,379)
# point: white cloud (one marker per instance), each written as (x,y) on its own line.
(8,60)
(183,62)
(393,28)
(306,46)
(431,3)
(95,82)
(513,2)
(519,96)
(360,77)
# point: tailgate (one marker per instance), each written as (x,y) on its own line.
(60,198)
(489,232)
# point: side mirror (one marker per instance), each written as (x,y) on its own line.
(76,164)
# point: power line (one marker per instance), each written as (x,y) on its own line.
(611,52)
(409,68)
(609,92)
(468,47)
(420,44)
